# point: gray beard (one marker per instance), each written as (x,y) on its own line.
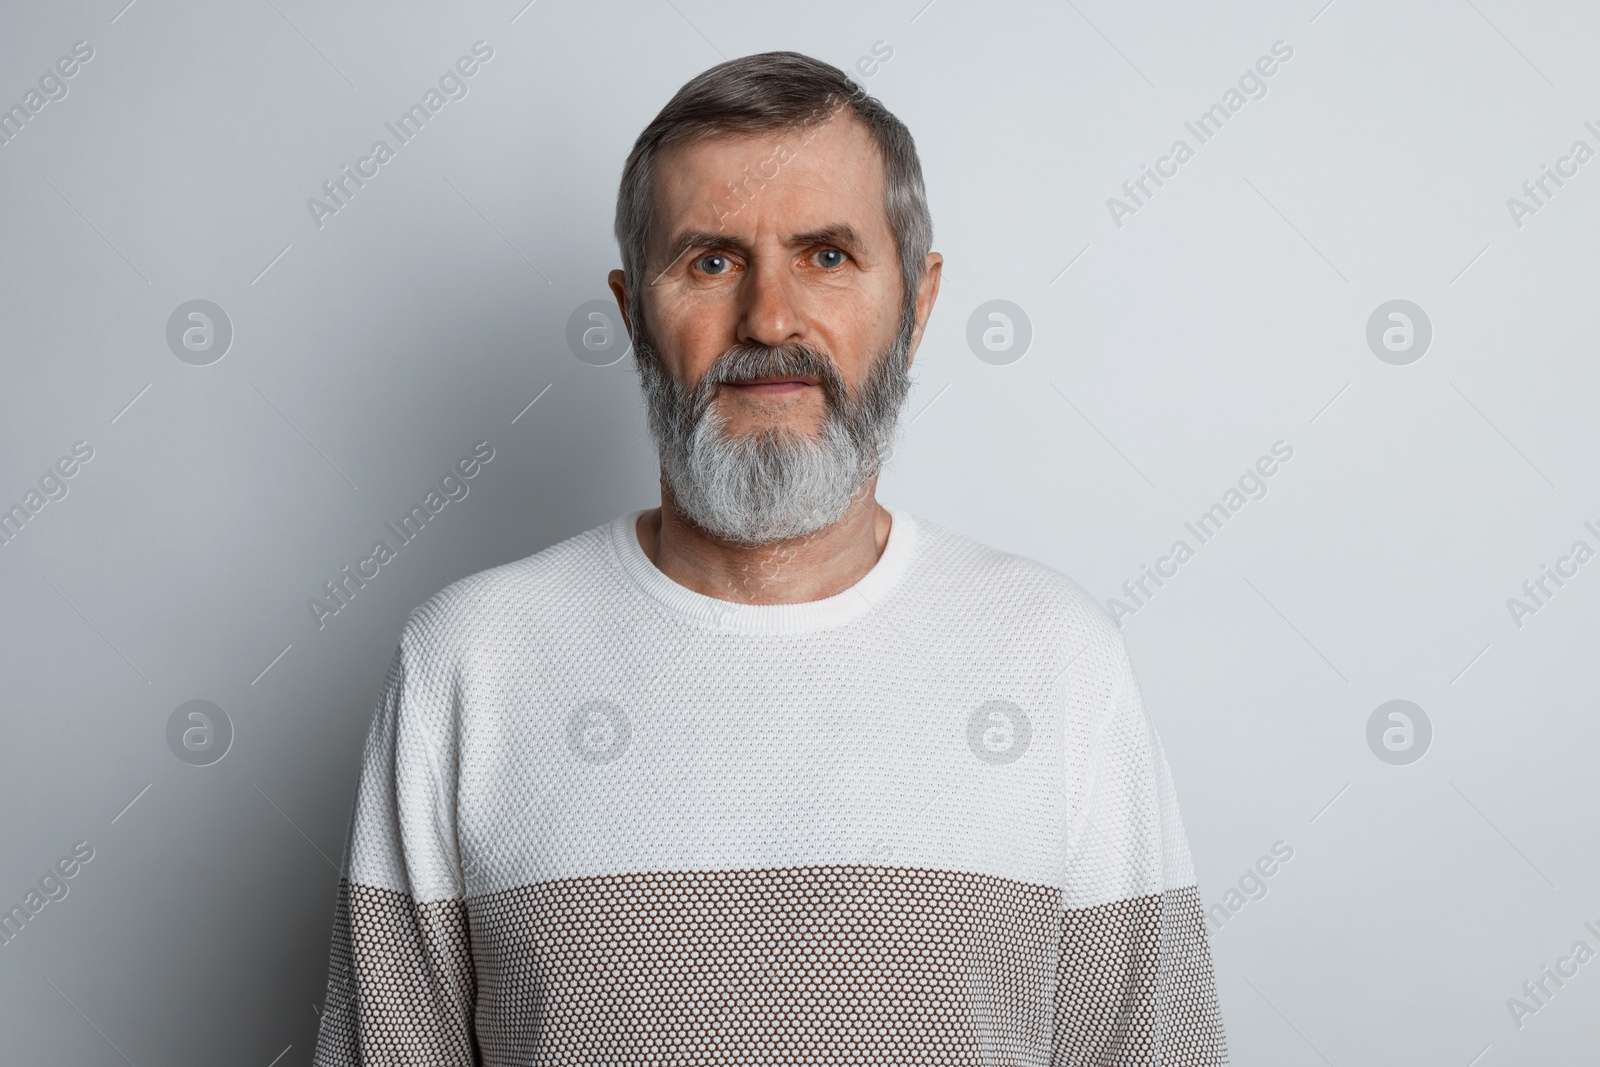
(772,484)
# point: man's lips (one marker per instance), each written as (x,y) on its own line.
(773,386)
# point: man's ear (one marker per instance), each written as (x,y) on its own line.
(927,293)
(619,288)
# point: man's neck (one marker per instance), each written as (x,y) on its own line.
(785,572)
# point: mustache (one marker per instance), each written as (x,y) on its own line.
(745,361)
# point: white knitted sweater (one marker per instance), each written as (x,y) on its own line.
(605,819)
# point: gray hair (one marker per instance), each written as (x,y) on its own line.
(758,93)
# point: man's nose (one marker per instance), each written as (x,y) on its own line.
(771,313)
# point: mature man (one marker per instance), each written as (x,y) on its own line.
(773,773)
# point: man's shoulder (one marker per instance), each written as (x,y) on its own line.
(535,587)
(1027,612)
(1008,584)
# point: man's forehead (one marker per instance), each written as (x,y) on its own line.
(790,181)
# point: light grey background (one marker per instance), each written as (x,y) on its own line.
(1229,313)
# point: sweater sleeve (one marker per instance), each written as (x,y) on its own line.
(401,986)
(1135,982)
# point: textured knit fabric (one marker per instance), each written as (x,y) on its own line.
(606,820)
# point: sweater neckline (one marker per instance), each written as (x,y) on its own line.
(864,596)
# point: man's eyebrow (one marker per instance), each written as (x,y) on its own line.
(688,239)
(839,234)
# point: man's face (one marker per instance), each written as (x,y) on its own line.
(771,344)
(804,256)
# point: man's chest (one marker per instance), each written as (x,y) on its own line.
(765,764)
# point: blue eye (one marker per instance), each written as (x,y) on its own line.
(721,260)
(826,252)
